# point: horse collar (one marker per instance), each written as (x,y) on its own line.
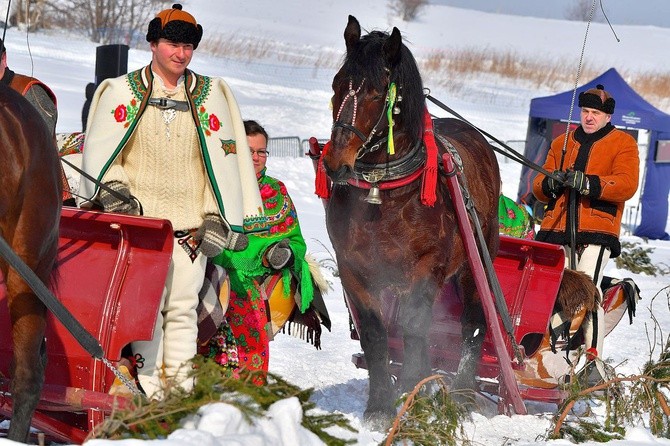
(392,174)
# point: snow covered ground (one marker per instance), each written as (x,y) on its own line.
(293,101)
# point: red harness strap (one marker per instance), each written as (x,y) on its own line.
(321,181)
(429,184)
(429,171)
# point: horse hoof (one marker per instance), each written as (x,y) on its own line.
(380,421)
(465,398)
(463,391)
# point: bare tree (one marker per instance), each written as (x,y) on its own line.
(407,10)
(104,21)
(580,11)
(28,13)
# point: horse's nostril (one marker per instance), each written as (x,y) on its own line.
(340,175)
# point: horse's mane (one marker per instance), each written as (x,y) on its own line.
(366,60)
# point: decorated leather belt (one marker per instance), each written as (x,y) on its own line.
(165,104)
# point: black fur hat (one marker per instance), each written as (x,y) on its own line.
(597,98)
(175,25)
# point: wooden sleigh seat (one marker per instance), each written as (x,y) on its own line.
(111,274)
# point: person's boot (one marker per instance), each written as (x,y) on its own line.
(592,374)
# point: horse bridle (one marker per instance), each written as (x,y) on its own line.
(365,148)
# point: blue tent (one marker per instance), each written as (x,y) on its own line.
(548,118)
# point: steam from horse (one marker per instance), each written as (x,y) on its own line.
(408,244)
(30,204)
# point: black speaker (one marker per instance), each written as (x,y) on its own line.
(110,61)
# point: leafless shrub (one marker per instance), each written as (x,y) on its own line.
(255,49)
(407,10)
(580,11)
(29,14)
(106,21)
(452,68)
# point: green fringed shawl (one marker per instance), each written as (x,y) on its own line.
(246,267)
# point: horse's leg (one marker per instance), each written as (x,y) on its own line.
(28,325)
(473,330)
(37,247)
(380,409)
(415,320)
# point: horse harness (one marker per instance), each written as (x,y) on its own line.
(365,148)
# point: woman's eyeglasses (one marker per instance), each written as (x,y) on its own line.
(261,152)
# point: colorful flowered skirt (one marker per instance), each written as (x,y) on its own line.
(242,341)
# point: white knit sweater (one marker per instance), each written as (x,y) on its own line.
(127,140)
(163,167)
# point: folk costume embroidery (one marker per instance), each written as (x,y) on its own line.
(514,219)
(247,314)
(231,177)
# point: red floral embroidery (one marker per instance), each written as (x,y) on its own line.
(267,192)
(214,123)
(120,113)
(251,320)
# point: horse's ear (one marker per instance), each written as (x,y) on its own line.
(392,47)
(352,33)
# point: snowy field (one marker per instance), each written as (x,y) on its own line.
(293,101)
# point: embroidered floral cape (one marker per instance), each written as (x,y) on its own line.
(117,108)
(247,267)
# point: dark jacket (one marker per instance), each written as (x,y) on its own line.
(38,94)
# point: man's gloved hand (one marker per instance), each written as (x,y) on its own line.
(578,181)
(279,255)
(555,186)
(112,203)
(216,235)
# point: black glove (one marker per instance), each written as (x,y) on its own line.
(216,235)
(112,203)
(555,186)
(578,181)
(279,255)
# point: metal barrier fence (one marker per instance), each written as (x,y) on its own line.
(288,146)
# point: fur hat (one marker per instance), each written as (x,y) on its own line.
(597,98)
(175,25)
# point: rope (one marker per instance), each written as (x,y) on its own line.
(579,72)
(572,224)
(508,152)
(4,30)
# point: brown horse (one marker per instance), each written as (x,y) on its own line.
(30,205)
(401,245)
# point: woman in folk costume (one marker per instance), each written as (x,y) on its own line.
(170,142)
(277,252)
(514,220)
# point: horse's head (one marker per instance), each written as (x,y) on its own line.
(378,83)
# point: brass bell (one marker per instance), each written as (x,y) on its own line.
(374,196)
